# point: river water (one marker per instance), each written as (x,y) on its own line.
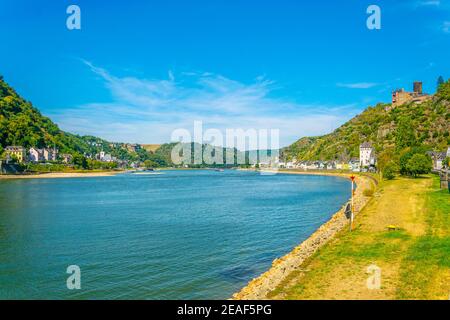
(193,234)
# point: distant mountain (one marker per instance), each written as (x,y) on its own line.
(389,129)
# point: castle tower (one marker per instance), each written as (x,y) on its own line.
(417,87)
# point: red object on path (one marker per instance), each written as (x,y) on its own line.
(352,177)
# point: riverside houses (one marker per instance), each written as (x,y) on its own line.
(105,157)
(16,152)
(66,158)
(438,158)
(37,155)
(354,165)
(50,154)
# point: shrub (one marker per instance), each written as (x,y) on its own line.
(444,91)
(418,164)
(389,172)
(368,192)
(447,162)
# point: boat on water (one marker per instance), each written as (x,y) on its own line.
(219,170)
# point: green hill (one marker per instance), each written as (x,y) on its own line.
(22,124)
(391,131)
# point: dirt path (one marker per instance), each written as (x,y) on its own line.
(414,260)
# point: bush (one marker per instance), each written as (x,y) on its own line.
(407,154)
(418,164)
(368,192)
(447,162)
(389,172)
(444,91)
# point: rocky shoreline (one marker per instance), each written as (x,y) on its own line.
(260,287)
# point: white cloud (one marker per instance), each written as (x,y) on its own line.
(357,85)
(425,3)
(149,110)
(446,27)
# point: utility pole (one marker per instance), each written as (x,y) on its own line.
(353,203)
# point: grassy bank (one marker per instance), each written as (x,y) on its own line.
(414,261)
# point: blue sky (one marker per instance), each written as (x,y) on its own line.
(137,70)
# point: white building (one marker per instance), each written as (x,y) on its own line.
(35,155)
(66,158)
(438,159)
(290,165)
(50,154)
(354,165)
(331,165)
(105,157)
(366,155)
(282,165)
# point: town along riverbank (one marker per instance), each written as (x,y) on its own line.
(260,287)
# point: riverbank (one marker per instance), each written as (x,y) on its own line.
(56,175)
(259,288)
(414,260)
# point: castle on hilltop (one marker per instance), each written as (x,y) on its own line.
(400,96)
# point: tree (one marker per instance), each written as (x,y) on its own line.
(385,158)
(80,161)
(149,164)
(447,162)
(418,164)
(389,171)
(406,136)
(440,81)
(444,91)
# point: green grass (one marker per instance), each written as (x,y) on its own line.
(429,255)
(438,215)
(416,259)
(397,234)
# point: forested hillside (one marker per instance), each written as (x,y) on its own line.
(21,124)
(424,125)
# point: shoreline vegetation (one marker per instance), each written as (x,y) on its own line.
(260,287)
(55,175)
